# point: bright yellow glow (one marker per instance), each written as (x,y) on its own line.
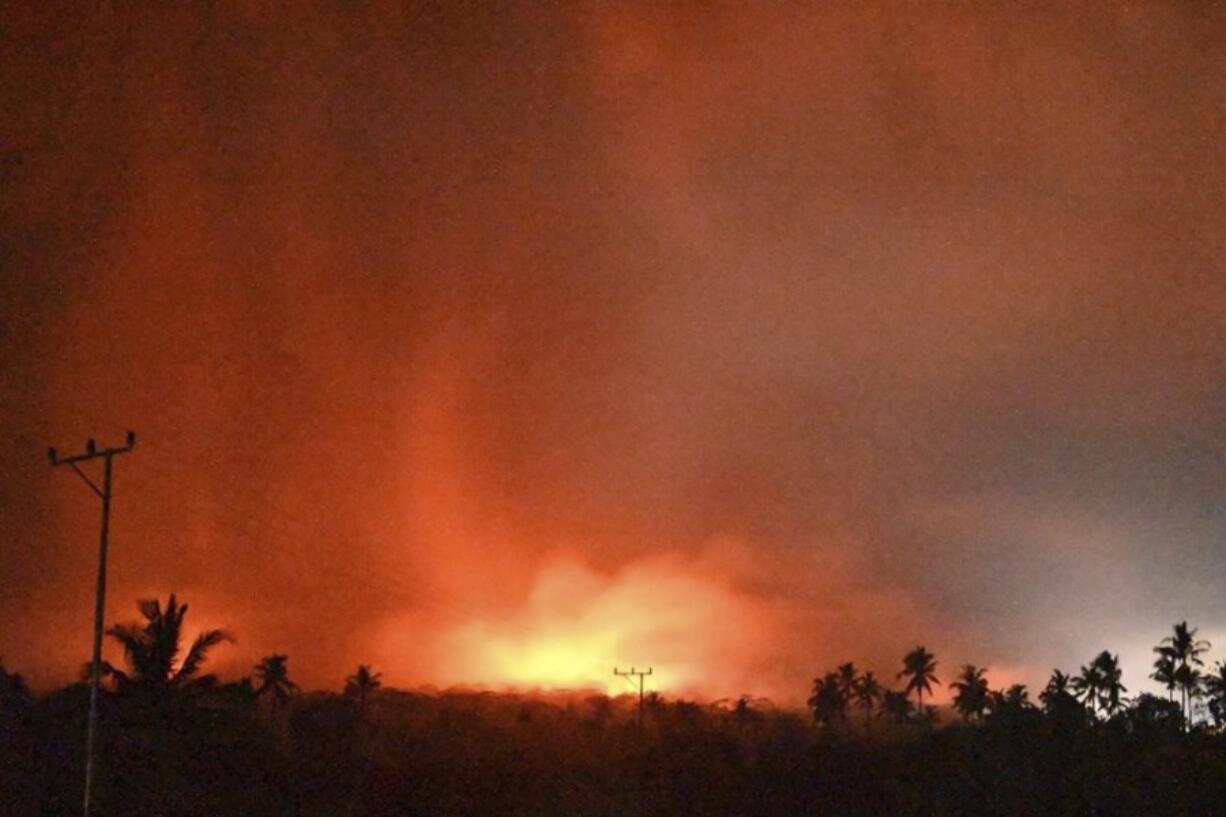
(578,624)
(555,660)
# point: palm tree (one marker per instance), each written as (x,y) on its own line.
(1215,688)
(919,667)
(867,691)
(152,650)
(971,698)
(1164,671)
(1088,686)
(897,706)
(847,679)
(1110,692)
(1185,651)
(1189,678)
(827,702)
(362,684)
(1018,697)
(273,675)
(1056,696)
(1057,685)
(1010,705)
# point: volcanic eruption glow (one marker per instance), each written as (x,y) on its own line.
(455,334)
(578,623)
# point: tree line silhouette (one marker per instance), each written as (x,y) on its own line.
(175,740)
(1097,689)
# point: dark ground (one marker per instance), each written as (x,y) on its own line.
(223,752)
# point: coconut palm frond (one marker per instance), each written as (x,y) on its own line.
(199,650)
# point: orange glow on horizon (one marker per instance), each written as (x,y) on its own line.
(700,635)
(553,660)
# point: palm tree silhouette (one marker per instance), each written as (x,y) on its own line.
(919,667)
(1215,688)
(1010,704)
(867,692)
(897,706)
(362,684)
(1184,650)
(971,698)
(152,650)
(1165,670)
(1058,684)
(1110,690)
(847,679)
(1188,678)
(827,701)
(1018,697)
(1088,685)
(273,675)
(1056,696)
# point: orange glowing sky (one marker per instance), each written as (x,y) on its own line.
(500,345)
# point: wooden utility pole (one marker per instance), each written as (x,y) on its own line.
(640,674)
(95,671)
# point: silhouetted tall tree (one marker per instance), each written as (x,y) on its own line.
(273,675)
(1215,689)
(1058,684)
(847,679)
(867,691)
(362,684)
(919,668)
(1088,685)
(1185,650)
(1111,690)
(1012,701)
(1164,671)
(827,701)
(1189,679)
(152,649)
(971,696)
(1056,697)
(897,706)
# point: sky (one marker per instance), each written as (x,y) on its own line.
(499,344)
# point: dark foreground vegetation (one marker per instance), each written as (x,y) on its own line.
(174,741)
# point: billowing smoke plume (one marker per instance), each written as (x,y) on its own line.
(499,345)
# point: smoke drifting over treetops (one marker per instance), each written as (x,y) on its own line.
(733,342)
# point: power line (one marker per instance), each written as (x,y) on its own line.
(104,493)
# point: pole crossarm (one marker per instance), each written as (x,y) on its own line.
(56,459)
(631,673)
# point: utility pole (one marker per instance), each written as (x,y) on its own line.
(640,674)
(104,493)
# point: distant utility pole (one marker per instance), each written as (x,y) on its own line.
(640,674)
(104,493)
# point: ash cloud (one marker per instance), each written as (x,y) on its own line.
(410,306)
